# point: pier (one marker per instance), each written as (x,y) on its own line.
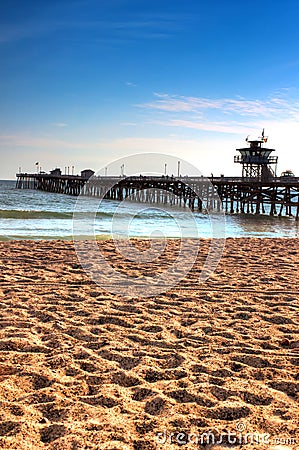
(258,191)
(277,196)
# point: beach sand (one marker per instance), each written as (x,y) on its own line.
(81,368)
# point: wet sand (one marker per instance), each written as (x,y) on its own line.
(81,368)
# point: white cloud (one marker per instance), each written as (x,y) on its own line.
(219,127)
(221,118)
(60,124)
(223,114)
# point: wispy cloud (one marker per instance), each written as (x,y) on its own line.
(138,27)
(224,115)
(219,127)
(242,106)
(60,124)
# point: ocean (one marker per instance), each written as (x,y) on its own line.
(30,214)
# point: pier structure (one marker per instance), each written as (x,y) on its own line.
(181,191)
(60,184)
(257,191)
(277,196)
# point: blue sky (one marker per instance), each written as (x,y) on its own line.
(83,82)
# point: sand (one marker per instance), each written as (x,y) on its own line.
(81,368)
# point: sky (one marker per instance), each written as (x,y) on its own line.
(85,82)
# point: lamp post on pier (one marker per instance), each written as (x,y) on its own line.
(122,170)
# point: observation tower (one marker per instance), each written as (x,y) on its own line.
(257,161)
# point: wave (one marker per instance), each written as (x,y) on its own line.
(23,214)
(68,215)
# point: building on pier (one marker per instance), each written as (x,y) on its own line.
(56,172)
(87,173)
(257,161)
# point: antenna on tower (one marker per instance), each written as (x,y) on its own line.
(263,137)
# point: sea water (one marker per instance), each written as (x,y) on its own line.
(31,214)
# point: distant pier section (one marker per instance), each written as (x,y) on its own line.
(258,191)
(54,181)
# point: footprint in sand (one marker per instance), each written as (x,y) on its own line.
(155,406)
(152,376)
(16,410)
(152,329)
(40,397)
(222,393)
(140,394)
(228,412)
(124,380)
(9,428)
(253,361)
(288,387)
(125,362)
(40,381)
(256,399)
(172,361)
(51,433)
(183,396)
(53,413)
(277,320)
(88,367)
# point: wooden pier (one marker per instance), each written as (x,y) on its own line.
(258,191)
(60,184)
(276,196)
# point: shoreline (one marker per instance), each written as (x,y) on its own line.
(137,238)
